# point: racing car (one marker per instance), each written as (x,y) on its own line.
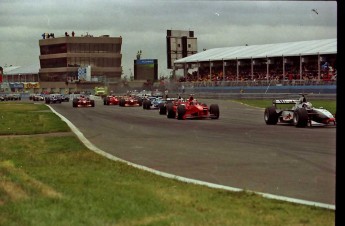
(301,114)
(130,100)
(82,101)
(53,99)
(162,106)
(37,97)
(153,102)
(191,108)
(111,100)
(64,97)
(157,93)
(13,97)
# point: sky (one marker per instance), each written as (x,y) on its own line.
(143,24)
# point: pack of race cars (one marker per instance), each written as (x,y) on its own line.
(297,112)
(177,108)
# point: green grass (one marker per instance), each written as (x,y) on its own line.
(23,118)
(56,180)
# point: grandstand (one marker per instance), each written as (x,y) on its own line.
(292,63)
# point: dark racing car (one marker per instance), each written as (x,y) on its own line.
(53,99)
(153,102)
(301,114)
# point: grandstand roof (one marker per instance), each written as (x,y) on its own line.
(9,68)
(30,69)
(314,47)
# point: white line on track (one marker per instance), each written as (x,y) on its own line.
(93,148)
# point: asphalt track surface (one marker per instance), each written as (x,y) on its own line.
(237,150)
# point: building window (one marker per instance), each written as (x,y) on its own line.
(54,63)
(53,49)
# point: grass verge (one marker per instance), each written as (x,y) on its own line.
(55,180)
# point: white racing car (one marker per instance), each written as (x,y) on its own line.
(301,114)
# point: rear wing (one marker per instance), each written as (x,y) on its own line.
(285,101)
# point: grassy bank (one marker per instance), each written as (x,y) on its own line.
(50,178)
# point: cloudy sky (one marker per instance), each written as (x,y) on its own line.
(143,24)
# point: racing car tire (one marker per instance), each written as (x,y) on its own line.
(146,104)
(47,100)
(162,109)
(170,111)
(271,116)
(75,103)
(214,111)
(300,117)
(122,102)
(181,111)
(106,101)
(92,102)
(140,101)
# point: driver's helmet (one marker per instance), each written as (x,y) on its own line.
(191,97)
(302,99)
(307,105)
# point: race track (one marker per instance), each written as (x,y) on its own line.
(237,150)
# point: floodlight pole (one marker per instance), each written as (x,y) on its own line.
(283,68)
(236,69)
(198,65)
(300,67)
(252,66)
(318,66)
(223,69)
(267,68)
(210,69)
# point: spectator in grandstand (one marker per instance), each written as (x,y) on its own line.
(166,93)
(325,66)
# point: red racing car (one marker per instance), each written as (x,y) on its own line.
(127,101)
(190,109)
(111,100)
(82,101)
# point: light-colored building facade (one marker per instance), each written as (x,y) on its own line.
(63,59)
(180,44)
